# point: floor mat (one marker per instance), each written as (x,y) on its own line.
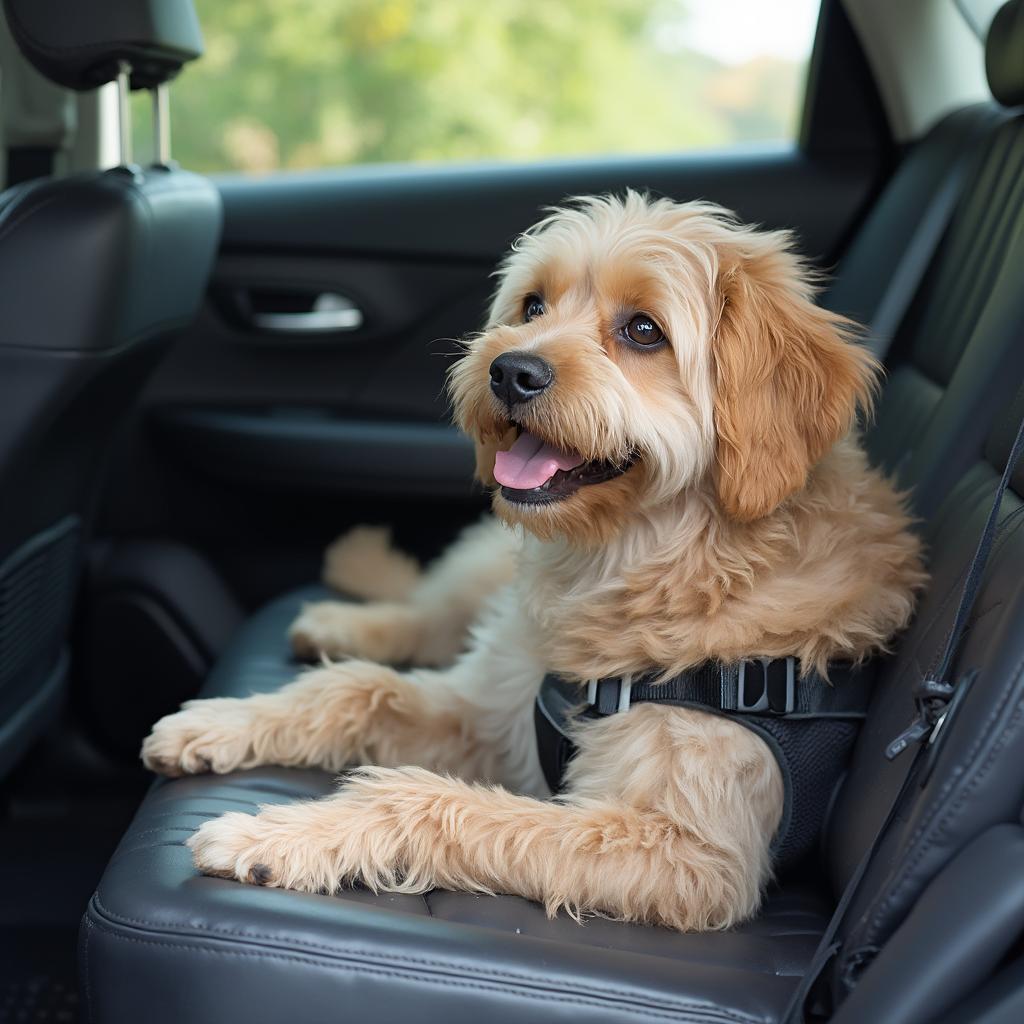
(38,983)
(53,853)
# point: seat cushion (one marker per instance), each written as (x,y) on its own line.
(258,659)
(162,943)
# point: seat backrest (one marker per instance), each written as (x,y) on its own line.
(974,777)
(97,273)
(947,366)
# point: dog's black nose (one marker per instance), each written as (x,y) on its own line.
(519,376)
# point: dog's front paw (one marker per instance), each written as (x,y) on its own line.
(320,629)
(229,846)
(364,563)
(274,848)
(377,632)
(206,735)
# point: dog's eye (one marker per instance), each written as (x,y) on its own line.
(642,330)
(533,306)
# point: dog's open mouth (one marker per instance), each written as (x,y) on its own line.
(534,471)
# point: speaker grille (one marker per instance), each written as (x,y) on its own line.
(37,589)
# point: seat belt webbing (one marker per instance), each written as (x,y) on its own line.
(918,255)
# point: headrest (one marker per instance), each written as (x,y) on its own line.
(78,43)
(1004,54)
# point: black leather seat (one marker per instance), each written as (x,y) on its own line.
(97,272)
(159,937)
(953,358)
(162,942)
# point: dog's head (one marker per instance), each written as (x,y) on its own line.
(638,348)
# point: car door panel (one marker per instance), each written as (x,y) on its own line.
(242,425)
(316,452)
(471,212)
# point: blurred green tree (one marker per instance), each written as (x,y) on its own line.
(312,83)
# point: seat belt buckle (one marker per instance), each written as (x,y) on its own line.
(767,686)
(936,702)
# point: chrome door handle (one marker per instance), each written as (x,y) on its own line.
(331,312)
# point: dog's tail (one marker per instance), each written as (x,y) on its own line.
(364,563)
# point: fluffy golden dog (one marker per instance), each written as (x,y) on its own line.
(667,417)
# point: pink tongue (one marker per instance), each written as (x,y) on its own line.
(530,462)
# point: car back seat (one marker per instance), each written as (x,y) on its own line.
(163,944)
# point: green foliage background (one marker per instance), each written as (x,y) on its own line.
(311,83)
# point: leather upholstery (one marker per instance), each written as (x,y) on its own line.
(957,355)
(975,782)
(135,251)
(151,886)
(154,921)
(258,659)
(1004,54)
(953,938)
(206,949)
(97,272)
(79,44)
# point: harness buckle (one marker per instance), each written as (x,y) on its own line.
(769,692)
(609,696)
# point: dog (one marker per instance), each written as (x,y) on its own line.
(668,423)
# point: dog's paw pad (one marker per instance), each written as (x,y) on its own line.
(260,874)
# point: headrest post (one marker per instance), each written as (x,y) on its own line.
(124,111)
(162,122)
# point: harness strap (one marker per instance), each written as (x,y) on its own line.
(770,688)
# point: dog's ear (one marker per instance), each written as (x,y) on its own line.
(788,379)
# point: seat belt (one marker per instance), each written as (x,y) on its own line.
(919,252)
(937,699)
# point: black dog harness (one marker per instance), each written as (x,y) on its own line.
(809,724)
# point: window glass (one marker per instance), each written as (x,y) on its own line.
(314,83)
(979,14)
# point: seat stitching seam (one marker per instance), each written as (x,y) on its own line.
(85,968)
(169,828)
(213,796)
(336,950)
(27,212)
(147,846)
(670,1011)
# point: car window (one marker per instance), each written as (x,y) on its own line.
(317,83)
(979,14)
